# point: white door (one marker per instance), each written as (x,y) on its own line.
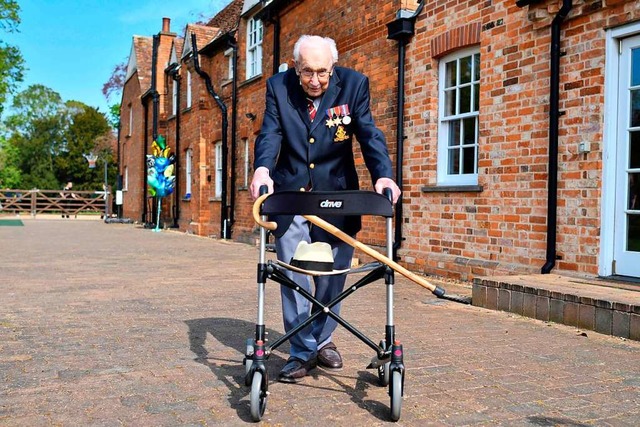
(627,198)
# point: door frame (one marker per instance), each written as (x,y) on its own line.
(609,139)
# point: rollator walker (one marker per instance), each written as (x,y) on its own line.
(388,359)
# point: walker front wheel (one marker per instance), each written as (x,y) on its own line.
(395,391)
(258,397)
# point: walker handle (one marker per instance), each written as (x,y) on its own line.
(386,192)
(269,225)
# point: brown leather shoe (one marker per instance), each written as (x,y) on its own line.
(329,358)
(295,370)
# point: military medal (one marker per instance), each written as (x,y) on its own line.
(339,116)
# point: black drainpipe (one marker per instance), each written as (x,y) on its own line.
(554,116)
(276,43)
(145,104)
(224,223)
(119,176)
(173,72)
(154,120)
(402,29)
(234,119)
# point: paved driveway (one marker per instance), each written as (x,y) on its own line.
(110,324)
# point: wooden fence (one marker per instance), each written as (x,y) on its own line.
(71,203)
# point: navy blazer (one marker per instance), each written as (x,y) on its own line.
(301,154)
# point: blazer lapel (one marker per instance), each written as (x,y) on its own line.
(297,99)
(328,100)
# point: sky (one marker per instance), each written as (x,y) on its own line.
(72,46)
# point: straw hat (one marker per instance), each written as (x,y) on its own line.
(313,258)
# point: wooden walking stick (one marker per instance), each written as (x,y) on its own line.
(330,228)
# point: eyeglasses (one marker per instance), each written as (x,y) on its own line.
(308,74)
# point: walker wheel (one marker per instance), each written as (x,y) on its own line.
(383,374)
(395,391)
(248,362)
(383,370)
(258,397)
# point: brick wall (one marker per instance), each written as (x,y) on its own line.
(501,229)
(132,140)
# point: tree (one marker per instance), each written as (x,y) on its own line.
(113,87)
(88,131)
(114,116)
(35,135)
(115,83)
(47,140)
(11,61)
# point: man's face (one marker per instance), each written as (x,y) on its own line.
(314,68)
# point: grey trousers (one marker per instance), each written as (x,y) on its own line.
(295,308)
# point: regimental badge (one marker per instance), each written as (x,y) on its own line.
(341,134)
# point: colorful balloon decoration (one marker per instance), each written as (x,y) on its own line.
(160,177)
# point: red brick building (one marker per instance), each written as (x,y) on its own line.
(494,112)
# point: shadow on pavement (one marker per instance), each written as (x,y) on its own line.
(232,333)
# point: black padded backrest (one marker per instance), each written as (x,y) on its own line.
(327,203)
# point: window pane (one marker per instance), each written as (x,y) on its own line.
(634,150)
(634,191)
(635,108)
(454,161)
(451,78)
(635,67)
(468,160)
(465,70)
(476,67)
(633,233)
(469,131)
(465,100)
(450,102)
(476,97)
(454,133)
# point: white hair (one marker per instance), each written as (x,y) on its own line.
(329,42)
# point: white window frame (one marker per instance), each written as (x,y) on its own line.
(189,100)
(174,97)
(130,130)
(125,179)
(613,42)
(218,171)
(246,161)
(254,47)
(229,55)
(447,120)
(188,173)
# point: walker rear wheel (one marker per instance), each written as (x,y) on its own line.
(248,362)
(258,397)
(383,374)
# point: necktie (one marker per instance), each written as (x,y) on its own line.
(311,108)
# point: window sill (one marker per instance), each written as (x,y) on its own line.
(452,189)
(215,199)
(250,80)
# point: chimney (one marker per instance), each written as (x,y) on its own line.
(166,25)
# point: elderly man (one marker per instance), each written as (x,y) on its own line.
(313,112)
